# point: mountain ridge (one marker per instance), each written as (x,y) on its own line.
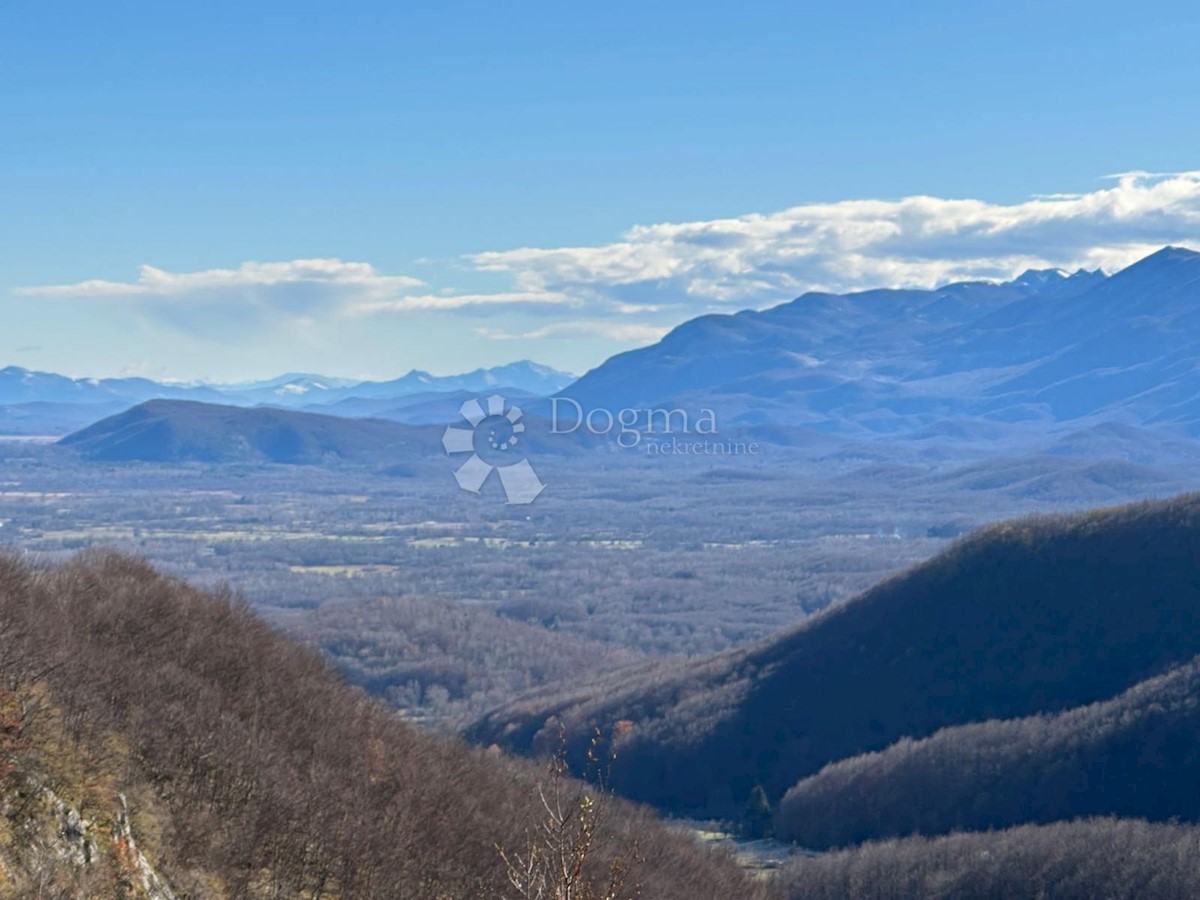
(190,431)
(1045,768)
(1038,349)
(45,402)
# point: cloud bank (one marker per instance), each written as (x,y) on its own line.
(236,303)
(629,291)
(248,277)
(857,244)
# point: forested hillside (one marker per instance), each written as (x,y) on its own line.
(1137,755)
(188,431)
(1032,616)
(453,660)
(1105,859)
(160,741)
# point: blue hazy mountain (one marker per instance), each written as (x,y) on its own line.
(186,431)
(1047,348)
(423,408)
(303,390)
(19,385)
(288,389)
(46,403)
(520,378)
(1049,351)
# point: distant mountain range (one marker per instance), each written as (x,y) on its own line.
(297,390)
(43,402)
(1046,348)
(928,372)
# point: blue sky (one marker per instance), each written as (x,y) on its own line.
(412,148)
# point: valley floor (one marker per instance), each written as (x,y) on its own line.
(447,603)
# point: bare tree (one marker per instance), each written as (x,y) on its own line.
(557,864)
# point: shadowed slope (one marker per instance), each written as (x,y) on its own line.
(1024,617)
(1136,755)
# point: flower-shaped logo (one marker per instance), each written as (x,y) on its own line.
(492,440)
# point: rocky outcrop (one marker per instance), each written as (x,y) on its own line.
(135,861)
(55,846)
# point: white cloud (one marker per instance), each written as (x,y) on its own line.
(463,301)
(621,332)
(855,244)
(234,304)
(152,282)
(631,290)
(300,290)
(145,369)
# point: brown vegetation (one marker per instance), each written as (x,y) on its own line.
(1105,859)
(1136,755)
(254,771)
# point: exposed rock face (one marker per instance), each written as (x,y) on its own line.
(152,883)
(57,845)
(74,843)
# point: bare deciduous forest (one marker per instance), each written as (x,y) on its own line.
(247,768)
(1104,859)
